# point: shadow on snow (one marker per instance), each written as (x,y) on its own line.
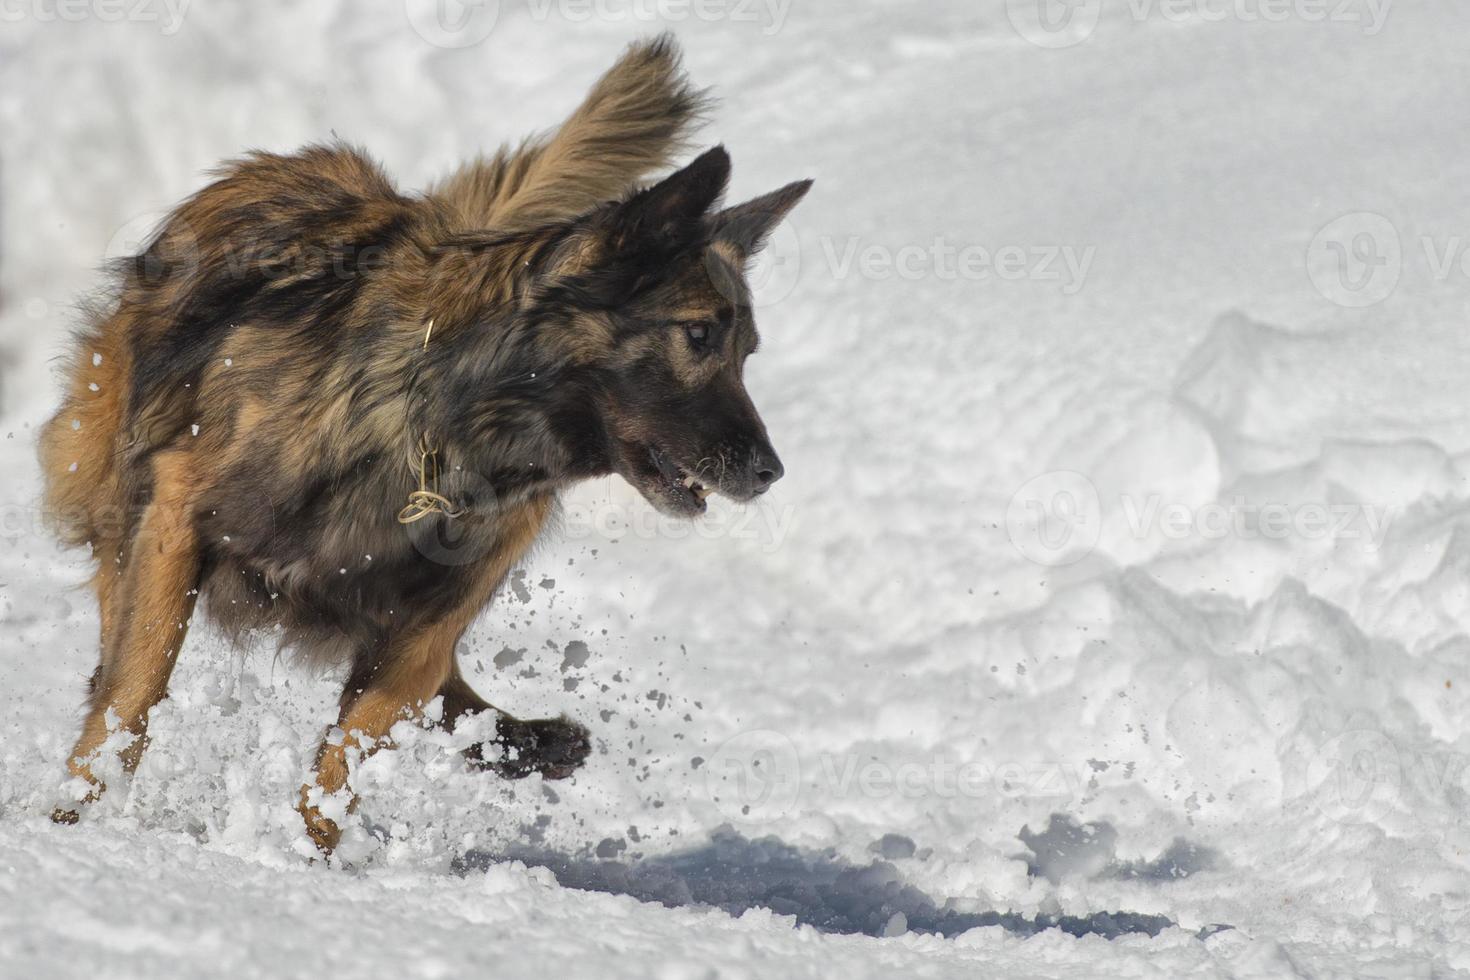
(817,888)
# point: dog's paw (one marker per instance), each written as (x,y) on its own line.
(554,747)
(321,829)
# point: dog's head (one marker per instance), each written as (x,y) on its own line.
(661,286)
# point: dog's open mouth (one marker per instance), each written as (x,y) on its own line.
(667,484)
(678,483)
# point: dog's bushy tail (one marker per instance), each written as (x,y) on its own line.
(635,120)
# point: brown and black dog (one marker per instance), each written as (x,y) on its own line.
(347,412)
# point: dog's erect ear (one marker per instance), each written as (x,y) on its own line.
(746,226)
(670,213)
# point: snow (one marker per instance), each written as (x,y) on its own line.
(1131,582)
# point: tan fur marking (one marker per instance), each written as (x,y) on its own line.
(107,582)
(157,591)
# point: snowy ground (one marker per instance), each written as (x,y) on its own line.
(1152,516)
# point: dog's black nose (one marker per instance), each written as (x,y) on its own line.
(765,469)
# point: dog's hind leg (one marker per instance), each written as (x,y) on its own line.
(554,747)
(107,583)
(145,615)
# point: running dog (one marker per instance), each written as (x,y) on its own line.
(346,412)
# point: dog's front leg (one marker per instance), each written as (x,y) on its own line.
(405,678)
(394,685)
(554,747)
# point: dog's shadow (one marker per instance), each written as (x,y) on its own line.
(817,888)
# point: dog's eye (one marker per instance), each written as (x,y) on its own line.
(698,333)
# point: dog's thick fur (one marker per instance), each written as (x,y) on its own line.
(301,347)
